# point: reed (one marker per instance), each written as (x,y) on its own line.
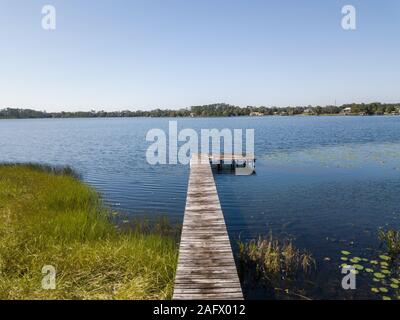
(390,239)
(272,258)
(49,217)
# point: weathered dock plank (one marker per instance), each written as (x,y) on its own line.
(206,268)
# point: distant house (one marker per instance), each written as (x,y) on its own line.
(308,111)
(256,114)
(346,110)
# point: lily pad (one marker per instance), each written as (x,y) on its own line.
(344,259)
(358,267)
(346,253)
(376,280)
(384,263)
(375,290)
(384,257)
(386,298)
(385,271)
(396,281)
(384,290)
(379,275)
(374,262)
(369,270)
(394,286)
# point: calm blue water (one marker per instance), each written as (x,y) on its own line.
(328,183)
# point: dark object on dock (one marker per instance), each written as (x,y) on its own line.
(242,165)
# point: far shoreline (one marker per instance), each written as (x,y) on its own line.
(218,117)
(217,110)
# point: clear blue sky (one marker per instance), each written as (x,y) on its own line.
(175,53)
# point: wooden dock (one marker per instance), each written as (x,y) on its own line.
(235,157)
(240,164)
(206,268)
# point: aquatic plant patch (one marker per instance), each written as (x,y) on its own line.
(382,273)
(276,263)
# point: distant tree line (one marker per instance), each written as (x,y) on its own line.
(212,110)
(373,108)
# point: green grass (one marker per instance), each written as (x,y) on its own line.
(49,217)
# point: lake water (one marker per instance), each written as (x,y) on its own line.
(328,183)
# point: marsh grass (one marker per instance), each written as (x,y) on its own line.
(390,239)
(274,258)
(49,217)
(274,263)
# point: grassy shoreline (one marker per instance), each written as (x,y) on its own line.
(49,217)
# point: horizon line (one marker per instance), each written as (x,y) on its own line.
(95,109)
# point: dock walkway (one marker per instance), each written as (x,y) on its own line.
(206,267)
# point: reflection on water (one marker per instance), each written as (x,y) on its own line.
(328,183)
